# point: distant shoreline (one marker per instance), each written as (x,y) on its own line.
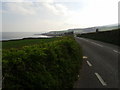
(27,38)
(10,36)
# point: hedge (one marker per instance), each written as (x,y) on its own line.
(49,65)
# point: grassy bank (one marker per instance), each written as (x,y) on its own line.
(54,64)
(25,42)
(104,36)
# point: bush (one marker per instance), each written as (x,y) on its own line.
(49,65)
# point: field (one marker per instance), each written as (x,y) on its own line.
(45,63)
(112,36)
(25,42)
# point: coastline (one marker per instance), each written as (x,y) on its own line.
(29,37)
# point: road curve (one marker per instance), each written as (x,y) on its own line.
(100,64)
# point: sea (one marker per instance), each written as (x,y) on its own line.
(20,35)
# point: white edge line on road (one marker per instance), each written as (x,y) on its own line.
(89,63)
(91,42)
(97,44)
(116,51)
(83,39)
(100,79)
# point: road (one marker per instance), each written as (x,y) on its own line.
(100,65)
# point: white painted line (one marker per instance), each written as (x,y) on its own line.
(83,39)
(85,57)
(116,51)
(78,76)
(89,63)
(97,44)
(100,79)
(91,42)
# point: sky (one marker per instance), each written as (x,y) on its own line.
(56,15)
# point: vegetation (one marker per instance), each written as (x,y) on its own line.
(45,65)
(25,42)
(105,36)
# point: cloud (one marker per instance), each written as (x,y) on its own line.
(53,15)
(13,0)
(25,7)
(41,1)
(31,8)
(21,8)
(57,9)
(29,1)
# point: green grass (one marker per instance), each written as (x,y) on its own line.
(54,64)
(25,42)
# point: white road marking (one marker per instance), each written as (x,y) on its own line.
(97,44)
(116,51)
(89,63)
(92,42)
(78,75)
(85,57)
(83,39)
(100,79)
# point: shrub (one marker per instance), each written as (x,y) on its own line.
(49,65)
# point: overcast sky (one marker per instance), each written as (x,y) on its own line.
(48,15)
